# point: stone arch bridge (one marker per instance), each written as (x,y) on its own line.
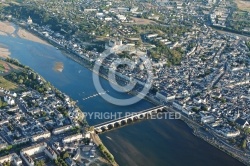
(109,125)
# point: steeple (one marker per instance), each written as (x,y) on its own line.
(29,20)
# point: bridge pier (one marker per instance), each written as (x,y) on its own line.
(98,130)
(105,127)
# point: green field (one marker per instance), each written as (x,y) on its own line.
(2,68)
(7,84)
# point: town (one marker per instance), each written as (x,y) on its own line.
(199,51)
(40,122)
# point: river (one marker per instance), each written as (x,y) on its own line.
(147,143)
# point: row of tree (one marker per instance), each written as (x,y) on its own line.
(105,152)
(15,62)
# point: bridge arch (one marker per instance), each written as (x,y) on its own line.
(130,119)
(136,117)
(110,126)
(124,121)
(117,124)
(142,116)
(104,127)
(160,110)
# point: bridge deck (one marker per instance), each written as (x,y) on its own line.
(132,114)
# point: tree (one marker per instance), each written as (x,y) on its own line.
(194,109)
(204,108)
(40,163)
(101,146)
(33,76)
(20,81)
(76,129)
(109,156)
(244,144)
(247,130)
(248,44)
(65,155)
(43,114)
(60,162)
(91,128)
(6,164)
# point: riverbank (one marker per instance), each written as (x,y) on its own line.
(4,52)
(97,140)
(75,56)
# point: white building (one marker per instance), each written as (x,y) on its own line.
(11,158)
(62,129)
(28,160)
(49,152)
(164,96)
(29,20)
(149,36)
(87,135)
(108,18)
(100,15)
(35,149)
(36,137)
(121,17)
(178,105)
(232,134)
(9,100)
(72,138)
(182,107)
(90,10)
(207,119)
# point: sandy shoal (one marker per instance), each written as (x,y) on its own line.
(29,36)
(4,52)
(6,27)
(3,33)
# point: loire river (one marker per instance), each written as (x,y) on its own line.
(147,143)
